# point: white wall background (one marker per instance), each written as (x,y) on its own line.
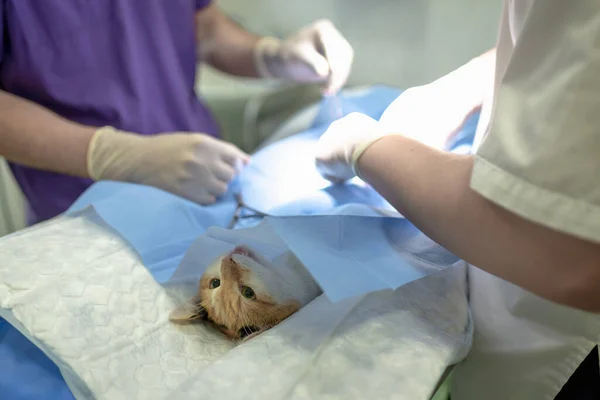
(397,42)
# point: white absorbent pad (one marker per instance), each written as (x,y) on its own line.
(81,294)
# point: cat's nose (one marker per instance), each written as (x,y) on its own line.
(227,259)
(230,271)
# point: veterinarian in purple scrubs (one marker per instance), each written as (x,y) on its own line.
(93,90)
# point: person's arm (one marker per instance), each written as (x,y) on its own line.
(317,53)
(431,188)
(526,208)
(225,45)
(191,165)
(36,137)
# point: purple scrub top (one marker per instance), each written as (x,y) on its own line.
(126,63)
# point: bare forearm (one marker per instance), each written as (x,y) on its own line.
(33,136)
(431,188)
(225,45)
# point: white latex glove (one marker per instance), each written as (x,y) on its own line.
(195,166)
(340,147)
(317,53)
(430,114)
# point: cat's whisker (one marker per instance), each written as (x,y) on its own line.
(198,305)
(246,324)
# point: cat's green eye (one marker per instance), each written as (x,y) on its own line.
(248,293)
(215,283)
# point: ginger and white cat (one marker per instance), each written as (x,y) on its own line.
(242,294)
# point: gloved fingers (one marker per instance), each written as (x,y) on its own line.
(224,172)
(199,195)
(217,187)
(208,192)
(338,53)
(311,65)
(218,148)
(335,149)
(231,155)
(205,199)
(334,170)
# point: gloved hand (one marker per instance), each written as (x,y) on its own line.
(195,166)
(340,147)
(317,53)
(430,114)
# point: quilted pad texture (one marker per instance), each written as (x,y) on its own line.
(81,294)
(98,312)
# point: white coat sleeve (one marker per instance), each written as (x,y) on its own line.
(541,156)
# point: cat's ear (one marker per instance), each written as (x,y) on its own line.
(189,311)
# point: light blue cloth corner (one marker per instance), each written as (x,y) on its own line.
(157,224)
(351,255)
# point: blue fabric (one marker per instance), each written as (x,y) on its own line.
(26,371)
(281,180)
(350,252)
(352,255)
(161,240)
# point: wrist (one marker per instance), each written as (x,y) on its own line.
(360,149)
(392,156)
(106,146)
(266,55)
(92,151)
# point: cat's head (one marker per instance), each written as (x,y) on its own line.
(243,294)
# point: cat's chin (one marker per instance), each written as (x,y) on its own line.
(251,336)
(245,254)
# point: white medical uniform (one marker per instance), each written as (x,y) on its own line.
(539,156)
